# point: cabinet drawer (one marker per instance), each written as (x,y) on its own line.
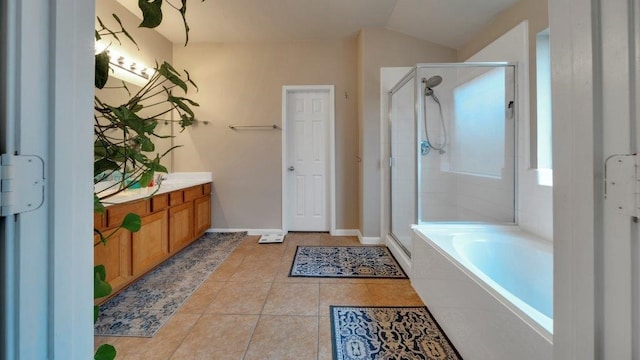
(176,198)
(192,193)
(206,189)
(116,213)
(159,202)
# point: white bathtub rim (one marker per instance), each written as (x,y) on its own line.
(545,329)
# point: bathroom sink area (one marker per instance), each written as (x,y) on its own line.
(169,182)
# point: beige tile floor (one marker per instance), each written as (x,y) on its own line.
(250,309)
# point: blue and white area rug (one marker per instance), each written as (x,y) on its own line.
(144,307)
(388,333)
(345,262)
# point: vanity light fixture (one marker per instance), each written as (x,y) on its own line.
(122,62)
(129,65)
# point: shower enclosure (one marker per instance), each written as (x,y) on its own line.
(452,134)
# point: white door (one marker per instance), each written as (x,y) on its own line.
(306,193)
(618,250)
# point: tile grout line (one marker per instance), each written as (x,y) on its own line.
(318,312)
(253,332)
(185,336)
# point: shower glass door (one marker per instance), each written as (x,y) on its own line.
(403,162)
(452,135)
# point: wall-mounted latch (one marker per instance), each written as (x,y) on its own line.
(21,183)
(622,184)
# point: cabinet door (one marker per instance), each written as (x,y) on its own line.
(202,214)
(180,226)
(150,245)
(116,258)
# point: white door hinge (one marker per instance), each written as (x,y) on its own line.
(21,183)
(622,184)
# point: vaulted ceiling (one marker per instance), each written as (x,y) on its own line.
(446,22)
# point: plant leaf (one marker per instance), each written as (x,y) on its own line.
(178,101)
(101,288)
(105,352)
(96,312)
(102,69)
(103,165)
(151,13)
(146,144)
(169,73)
(101,271)
(190,81)
(97,205)
(124,31)
(132,222)
(183,12)
(146,178)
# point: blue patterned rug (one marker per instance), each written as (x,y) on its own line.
(388,333)
(345,262)
(142,308)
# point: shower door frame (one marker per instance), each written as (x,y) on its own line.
(419,108)
(411,74)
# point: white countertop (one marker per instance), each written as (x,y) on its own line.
(170,182)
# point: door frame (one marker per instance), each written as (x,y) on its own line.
(47,262)
(589,72)
(331,208)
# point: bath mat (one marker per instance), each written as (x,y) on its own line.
(142,309)
(388,333)
(345,262)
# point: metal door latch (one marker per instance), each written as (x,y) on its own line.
(21,183)
(622,184)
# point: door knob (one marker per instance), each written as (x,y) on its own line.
(291,168)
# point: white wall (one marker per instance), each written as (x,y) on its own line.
(241,84)
(378,48)
(534,207)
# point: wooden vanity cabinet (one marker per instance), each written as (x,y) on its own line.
(202,211)
(150,245)
(181,232)
(170,222)
(115,255)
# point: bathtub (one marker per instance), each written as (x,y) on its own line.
(490,287)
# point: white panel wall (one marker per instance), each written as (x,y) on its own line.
(534,206)
(448,194)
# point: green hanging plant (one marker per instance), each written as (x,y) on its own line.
(124,137)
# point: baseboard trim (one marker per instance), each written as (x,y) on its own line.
(345,232)
(369,240)
(249,231)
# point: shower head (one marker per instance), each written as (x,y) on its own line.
(432,81)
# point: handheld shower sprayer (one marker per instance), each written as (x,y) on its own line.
(429,84)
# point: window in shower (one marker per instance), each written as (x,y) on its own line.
(543,107)
(478,125)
